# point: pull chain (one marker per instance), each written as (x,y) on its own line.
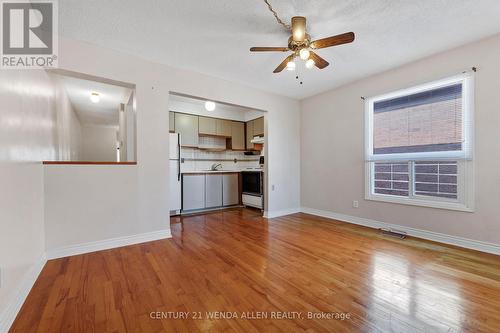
(287,26)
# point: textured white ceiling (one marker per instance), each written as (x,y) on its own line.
(104,113)
(213,36)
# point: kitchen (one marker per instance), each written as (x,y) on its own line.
(216,156)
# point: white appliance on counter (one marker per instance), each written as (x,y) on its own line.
(175,173)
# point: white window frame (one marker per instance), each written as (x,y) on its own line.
(465,165)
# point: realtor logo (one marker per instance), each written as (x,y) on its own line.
(29,34)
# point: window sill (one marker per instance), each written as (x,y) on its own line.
(422,203)
(86,163)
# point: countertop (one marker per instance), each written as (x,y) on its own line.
(194,172)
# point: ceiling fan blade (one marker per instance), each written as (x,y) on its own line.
(283,64)
(318,61)
(348,37)
(268,49)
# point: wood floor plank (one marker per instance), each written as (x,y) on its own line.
(233,263)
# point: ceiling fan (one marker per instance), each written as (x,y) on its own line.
(301,45)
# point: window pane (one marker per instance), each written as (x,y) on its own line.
(436,179)
(428,121)
(391,179)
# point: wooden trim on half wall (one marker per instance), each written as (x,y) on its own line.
(86,163)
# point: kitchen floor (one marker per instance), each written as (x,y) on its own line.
(236,271)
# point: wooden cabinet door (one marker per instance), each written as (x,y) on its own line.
(187,126)
(249,130)
(237,135)
(213,191)
(171,122)
(224,127)
(230,191)
(207,126)
(193,192)
(258,127)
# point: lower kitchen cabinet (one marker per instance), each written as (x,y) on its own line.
(230,190)
(213,191)
(193,192)
(206,191)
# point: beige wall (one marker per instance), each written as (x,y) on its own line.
(332,143)
(99,143)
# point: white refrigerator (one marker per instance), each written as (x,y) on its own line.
(175,173)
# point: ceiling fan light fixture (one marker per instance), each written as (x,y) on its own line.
(209,106)
(298,28)
(301,45)
(290,66)
(304,54)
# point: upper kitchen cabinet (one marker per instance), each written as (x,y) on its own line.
(223,127)
(207,126)
(215,127)
(254,128)
(187,126)
(171,122)
(258,127)
(249,132)
(237,135)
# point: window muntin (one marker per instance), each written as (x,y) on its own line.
(436,179)
(391,179)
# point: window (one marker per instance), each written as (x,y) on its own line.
(419,145)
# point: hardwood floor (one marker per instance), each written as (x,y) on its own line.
(240,263)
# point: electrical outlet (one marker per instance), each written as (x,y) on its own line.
(355,204)
(272,187)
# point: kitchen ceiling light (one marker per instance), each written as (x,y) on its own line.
(304,54)
(209,105)
(310,63)
(290,65)
(95,97)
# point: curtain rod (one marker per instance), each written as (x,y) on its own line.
(473,68)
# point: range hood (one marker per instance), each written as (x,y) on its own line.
(257,139)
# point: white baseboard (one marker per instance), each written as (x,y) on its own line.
(14,305)
(429,235)
(278,213)
(106,244)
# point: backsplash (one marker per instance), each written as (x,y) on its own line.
(197,159)
(212,142)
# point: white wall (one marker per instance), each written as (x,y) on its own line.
(131,127)
(332,138)
(102,201)
(69,130)
(149,195)
(99,143)
(27,134)
(37,122)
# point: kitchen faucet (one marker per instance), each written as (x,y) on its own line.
(216,166)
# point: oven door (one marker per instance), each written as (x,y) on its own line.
(252,182)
